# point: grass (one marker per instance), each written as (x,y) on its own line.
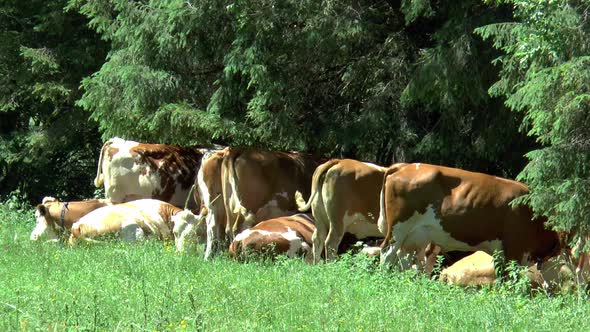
(147,286)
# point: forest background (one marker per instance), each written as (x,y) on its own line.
(500,87)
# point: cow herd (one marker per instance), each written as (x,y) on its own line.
(244,200)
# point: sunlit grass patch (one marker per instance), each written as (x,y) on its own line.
(148,286)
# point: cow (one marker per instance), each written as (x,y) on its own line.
(476,269)
(132,221)
(290,235)
(54,217)
(458,210)
(130,170)
(255,185)
(344,198)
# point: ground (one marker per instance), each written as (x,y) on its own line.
(148,286)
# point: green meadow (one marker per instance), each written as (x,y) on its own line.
(148,287)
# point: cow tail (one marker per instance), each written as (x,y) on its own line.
(230,158)
(316,181)
(99,180)
(382,221)
(235,249)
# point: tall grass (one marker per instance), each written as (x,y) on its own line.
(147,286)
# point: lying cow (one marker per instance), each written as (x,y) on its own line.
(54,217)
(133,221)
(458,210)
(478,269)
(284,235)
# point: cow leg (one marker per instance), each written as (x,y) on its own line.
(215,237)
(393,255)
(388,254)
(212,234)
(131,231)
(318,244)
(335,235)
(244,220)
(332,242)
(322,223)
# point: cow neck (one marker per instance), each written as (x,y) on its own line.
(62,215)
(58,215)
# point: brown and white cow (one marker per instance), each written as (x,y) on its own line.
(458,210)
(130,170)
(344,198)
(255,185)
(53,217)
(290,235)
(478,269)
(132,221)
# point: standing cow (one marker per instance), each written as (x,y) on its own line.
(130,170)
(344,198)
(458,210)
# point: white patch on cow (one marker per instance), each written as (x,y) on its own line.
(421,229)
(149,210)
(295,242)
(417,165)
(201,186)
(234,200)
(371,251)
(206,201)
(360,226)
(131,231)
(42,229)
(184,229)
(123,173)
(246,233)
(126,218)
(272,209)
(377,167)
(381,222)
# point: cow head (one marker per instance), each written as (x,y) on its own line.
(185,229)
(45,228)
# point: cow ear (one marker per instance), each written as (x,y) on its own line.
(48,199)
(42,209)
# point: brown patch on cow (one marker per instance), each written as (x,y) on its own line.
(112,152)
(174,164)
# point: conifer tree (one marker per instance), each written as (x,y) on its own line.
(47,145)
(545,75)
